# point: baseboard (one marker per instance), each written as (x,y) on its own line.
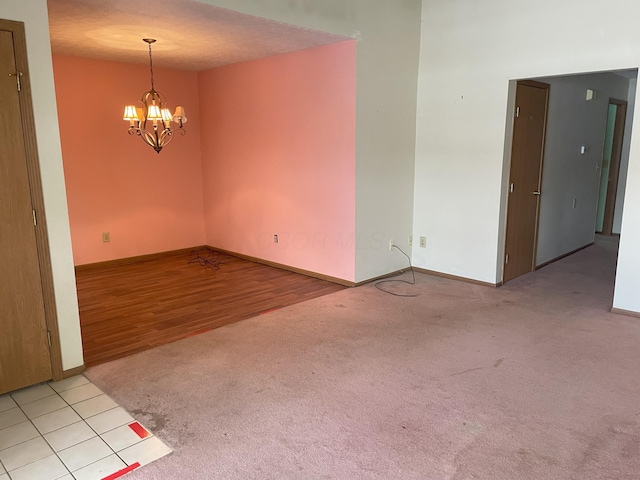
(154,256)
(563,256)
(300,271)
(457,278)
(72,372)
(138,259)
(629,313)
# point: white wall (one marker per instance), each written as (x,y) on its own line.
(469,52)
(34,15)
(624,160)
(388,36)
(567,174)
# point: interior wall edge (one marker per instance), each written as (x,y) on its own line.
(34,15)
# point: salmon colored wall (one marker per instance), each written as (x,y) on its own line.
(148,202)
(278,149)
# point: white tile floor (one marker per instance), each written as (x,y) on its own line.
(70,430)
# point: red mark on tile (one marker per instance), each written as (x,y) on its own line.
(269,311)
(139,429)
(198,333)
(122,472)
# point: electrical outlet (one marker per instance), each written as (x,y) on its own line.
(106,237)
(423,242)
(410,241)
(275,239)
(390,245)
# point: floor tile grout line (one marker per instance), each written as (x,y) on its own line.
(49,444)
(42,435)
(36,385)
(70,388)
(83,420)
(99,435)
(92,429)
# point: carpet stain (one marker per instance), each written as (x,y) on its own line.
(498,362)
(155,421)
(466,371)
(523,452)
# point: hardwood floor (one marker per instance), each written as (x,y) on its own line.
(129,308)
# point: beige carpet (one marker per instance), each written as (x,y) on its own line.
(533,380)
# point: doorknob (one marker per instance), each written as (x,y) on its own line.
(536,193)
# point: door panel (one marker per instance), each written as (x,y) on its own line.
(24,348)
(525,177)
(614,168)
(606,165)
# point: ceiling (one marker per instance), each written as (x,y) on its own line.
(190,35)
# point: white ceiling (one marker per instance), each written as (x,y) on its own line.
(190,35)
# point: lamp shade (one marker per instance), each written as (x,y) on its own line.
(166,115)
(130,113)
(179,115)
(154,113)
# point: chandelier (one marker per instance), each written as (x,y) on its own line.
(153,121)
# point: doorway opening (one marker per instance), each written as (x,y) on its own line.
(611,157)
(574,162)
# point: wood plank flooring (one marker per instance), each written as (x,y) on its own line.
(126,309)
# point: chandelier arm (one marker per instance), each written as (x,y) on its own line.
(166,137)
(148,138)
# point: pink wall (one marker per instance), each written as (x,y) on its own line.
(278,149)
(148,202)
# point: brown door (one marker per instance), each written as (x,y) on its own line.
(24,349)
(614,168)
(524,182)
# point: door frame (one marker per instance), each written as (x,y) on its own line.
(616,156)
(37,199)
(547,87)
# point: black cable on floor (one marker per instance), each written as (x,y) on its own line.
(210,258)
(412,282)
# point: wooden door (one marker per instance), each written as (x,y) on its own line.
(523,204)
(614,167)
(25,357)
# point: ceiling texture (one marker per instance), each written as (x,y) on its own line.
(190,35)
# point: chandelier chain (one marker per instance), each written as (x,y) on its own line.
(151,67)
